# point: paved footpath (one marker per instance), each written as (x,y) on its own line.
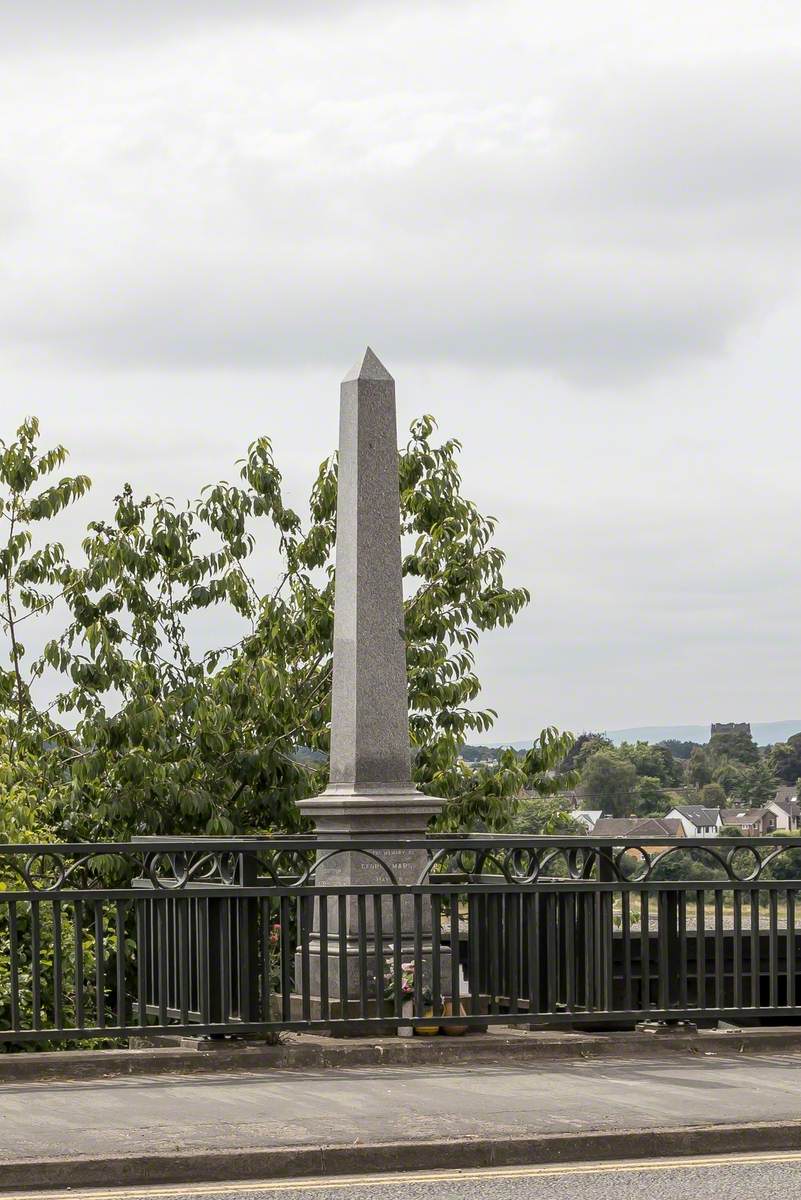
(123,1117)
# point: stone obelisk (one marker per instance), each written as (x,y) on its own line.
(370,793)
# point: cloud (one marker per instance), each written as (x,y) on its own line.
(571,230)
(238,199)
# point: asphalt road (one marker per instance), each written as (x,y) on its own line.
(748,1177)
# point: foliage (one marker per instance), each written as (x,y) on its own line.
(753,786)
(151,735)
(788,864)
(688,865)
(46,968)
(584,746)
(680,750)
(699,767)
(609,783)
(473,754)
(712,795)
(544,816)
(31,579)
(784,760)
(488,797)
(652,799)
(654,762)
(632,779)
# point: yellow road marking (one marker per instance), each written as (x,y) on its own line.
(343,1182)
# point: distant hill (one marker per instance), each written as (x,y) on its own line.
(765,734)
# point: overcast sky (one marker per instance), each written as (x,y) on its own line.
(572,232)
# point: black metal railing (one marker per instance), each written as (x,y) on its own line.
(254,936)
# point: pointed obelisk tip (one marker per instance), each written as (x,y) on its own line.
(369,366)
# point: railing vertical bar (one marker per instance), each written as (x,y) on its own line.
(141,921)
(590,951)
(608,951)
(397,954)
(683,955)
(513,951)
(378,946)
(662,934)
(598,941)
(325,1007)
(361,909)
(533,942)
(625,920)
(285,918)
(454,938)
(163,959)
(645,952)
(58,968)
(494,948)
(184,952)
(78,933)
(305,921)
(569,914)
(13,948)
(474,953)
(265,942)
(756,966)
(790,934)
(36,963)
(418,955)
(174,993)
(436,952)
(719,981)
(773,948)
(737,953)
(342,952)
(119,930)
(194,957)
(100,966)
(204,932)
(700,949)
(551,957)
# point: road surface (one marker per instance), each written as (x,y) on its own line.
(746,1177)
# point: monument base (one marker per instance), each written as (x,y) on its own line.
(363,815)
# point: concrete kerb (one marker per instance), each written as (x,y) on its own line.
(233,1166)
(307,1052)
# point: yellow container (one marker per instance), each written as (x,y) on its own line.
(427,1030)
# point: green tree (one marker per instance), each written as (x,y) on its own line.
(31,580)
(788,864)
(680,750)
(150,734)
(544,816)
(654,762)
(609,783)
(753,786)
(784,760)
(652,799)
(699,768)
(712,795)
(583,748)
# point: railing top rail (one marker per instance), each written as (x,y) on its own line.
(463,842)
